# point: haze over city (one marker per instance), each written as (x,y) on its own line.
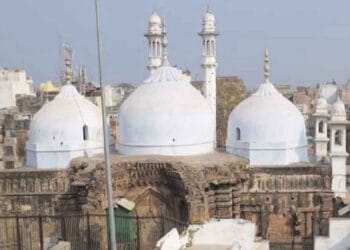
(308,40)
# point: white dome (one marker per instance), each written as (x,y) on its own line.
(155,19)
(321,108)
(321,103)
(209,16)
(155,23)
(208,22)
(338,110)
(166,116)
(69,126)
(267,129)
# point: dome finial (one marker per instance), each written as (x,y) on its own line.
(208,8)
(164,26)
(68,72)
(165,61)
(267,66)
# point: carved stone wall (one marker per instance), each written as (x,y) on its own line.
(184,191)
(276,193)
(32,192)
(190,190)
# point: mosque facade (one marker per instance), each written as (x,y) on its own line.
(167,162)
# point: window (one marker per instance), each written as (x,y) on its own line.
(238,134)
(212,48)
(208,48)
(321,127)
(337,137)
(85,133)
(153,49)
(150,49)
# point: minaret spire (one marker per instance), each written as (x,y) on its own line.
(208,8)
(165,61)
(68,72)
(267,66)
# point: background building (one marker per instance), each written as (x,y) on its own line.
(12,83)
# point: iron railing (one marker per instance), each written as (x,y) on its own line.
(83,231)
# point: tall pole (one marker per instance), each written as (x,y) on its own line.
(111,219)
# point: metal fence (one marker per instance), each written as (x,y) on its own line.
(320,227)
(83,231)
(291,246)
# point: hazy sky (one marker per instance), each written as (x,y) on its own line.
(309,40)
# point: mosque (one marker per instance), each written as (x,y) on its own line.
(167,162)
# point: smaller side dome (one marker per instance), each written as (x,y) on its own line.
(338,110)
(48,87)
(209,16)
(321,106)
(321,103)
(155,23)
(69,126)
(155,19)
(208,21)
(267,128)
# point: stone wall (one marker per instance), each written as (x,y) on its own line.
(230,92)
(183,191)
(190,189)
(26,191)
(279,195)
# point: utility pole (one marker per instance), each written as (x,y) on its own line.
(111,218)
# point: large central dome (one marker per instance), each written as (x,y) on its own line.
(166,116)
(267,128)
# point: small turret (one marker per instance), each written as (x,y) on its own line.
(155,35)
(338,154)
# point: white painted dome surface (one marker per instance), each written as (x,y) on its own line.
(321,103)
(272,130)
(166,116)
(56,132)
(155,19)
(209,17)
(338,110)
(322,107)
(208,22)
(155,23)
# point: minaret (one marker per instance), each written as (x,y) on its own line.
(155,35)
(321,117)
(338,152)
(68,72)
(208,35)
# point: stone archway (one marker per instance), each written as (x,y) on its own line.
(152,203)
